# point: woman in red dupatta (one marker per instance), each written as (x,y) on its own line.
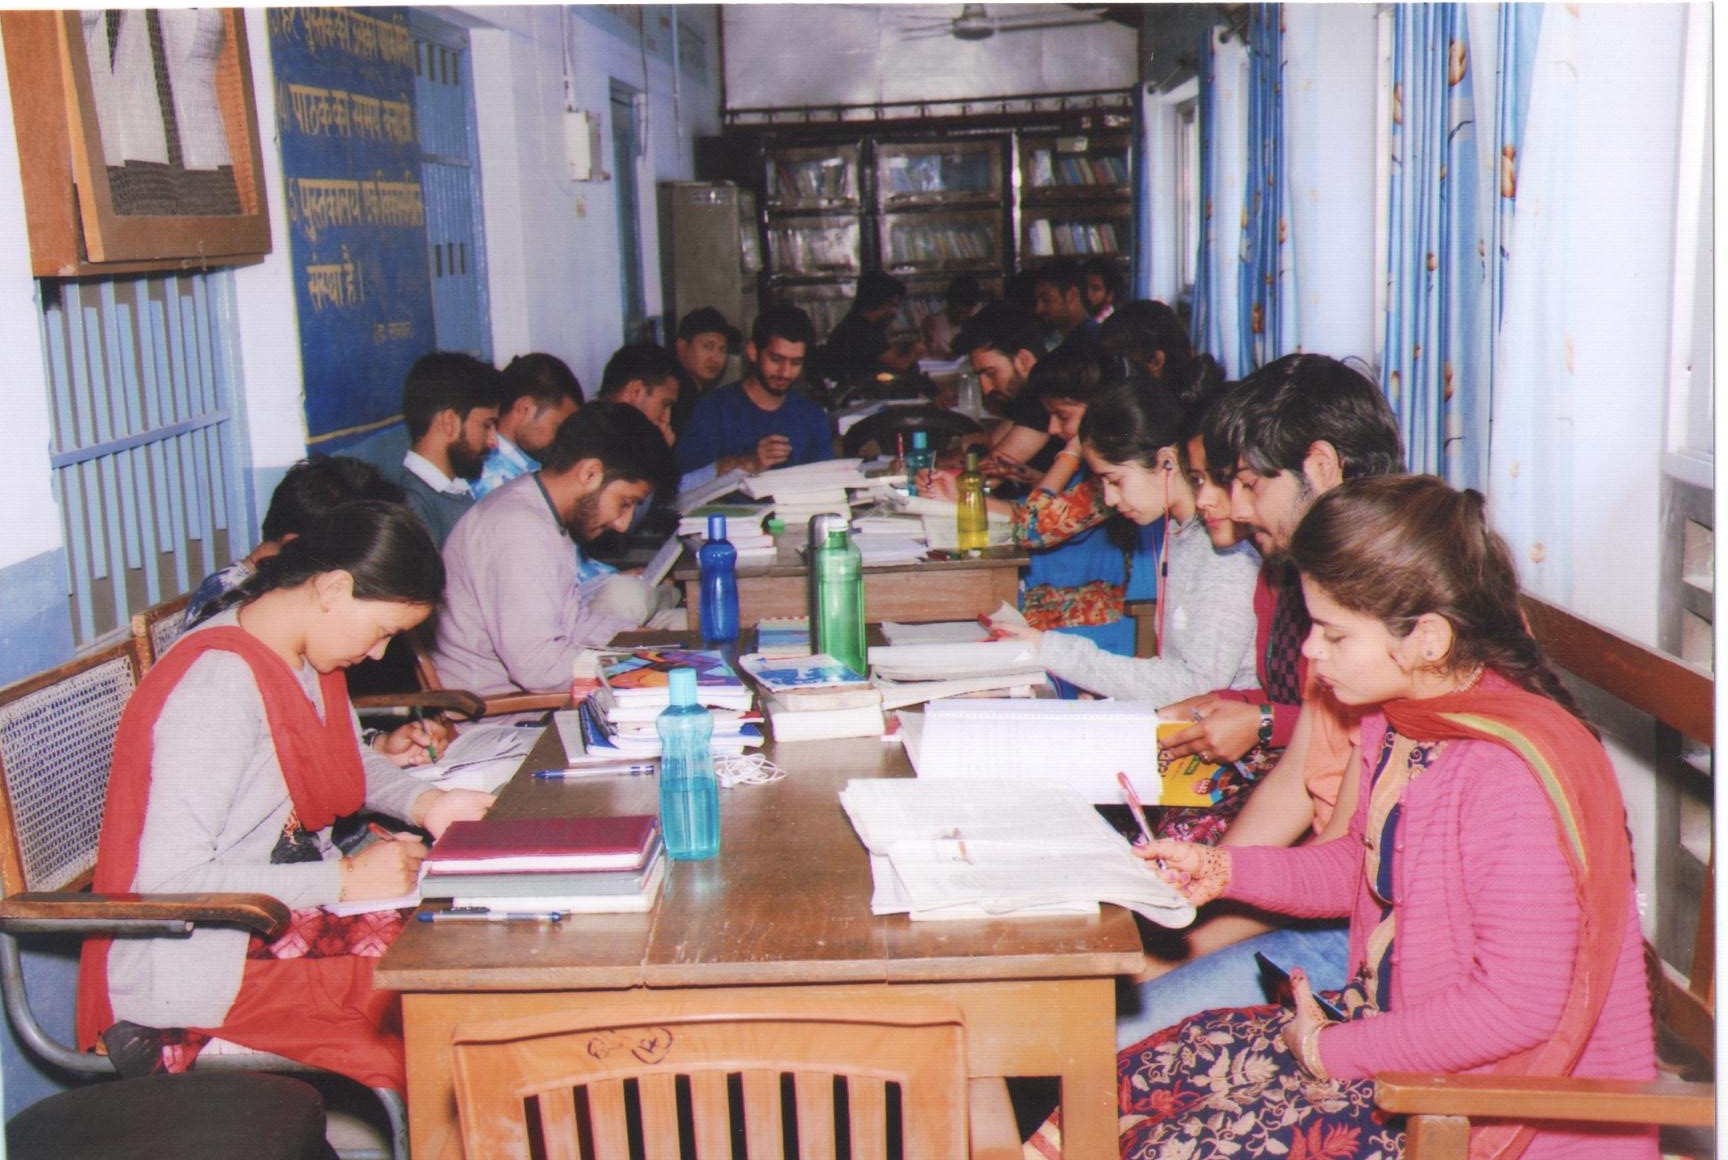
(1487,872)
(232,760)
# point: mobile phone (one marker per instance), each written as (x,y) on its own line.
(1277,981)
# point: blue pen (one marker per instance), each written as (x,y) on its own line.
(602,770)
(481,914)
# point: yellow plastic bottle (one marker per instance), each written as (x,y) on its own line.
(972,520)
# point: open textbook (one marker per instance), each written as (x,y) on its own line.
(942,850)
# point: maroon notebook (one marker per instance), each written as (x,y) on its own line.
(544,845)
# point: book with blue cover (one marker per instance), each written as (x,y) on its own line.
(642,675)
(801,674)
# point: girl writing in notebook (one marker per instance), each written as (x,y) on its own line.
(1486,872)
(232,759)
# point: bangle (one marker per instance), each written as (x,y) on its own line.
(1265,734)
(1070,454)
(369,737)
(1309,1056)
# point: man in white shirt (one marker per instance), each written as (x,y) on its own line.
(450,405)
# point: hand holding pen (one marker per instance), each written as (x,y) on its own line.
(387,868)
(416,743)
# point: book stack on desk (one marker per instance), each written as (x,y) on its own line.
(815,698)
(619,719)
(743,530)
(563,865)
(808,490)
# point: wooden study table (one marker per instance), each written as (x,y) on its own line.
(785,907)
(909,592)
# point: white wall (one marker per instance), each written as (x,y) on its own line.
(781,55)
(552,244)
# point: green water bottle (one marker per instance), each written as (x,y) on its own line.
(837,615)
(972,519)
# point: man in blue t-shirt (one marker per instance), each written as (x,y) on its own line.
(761,422)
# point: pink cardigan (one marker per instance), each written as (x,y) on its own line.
(1487,929)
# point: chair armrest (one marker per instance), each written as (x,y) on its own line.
(458,703)
(525,703)
(146,914)
(1546,1098)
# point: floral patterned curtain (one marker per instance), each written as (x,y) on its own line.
(1266,306)
(1435,363)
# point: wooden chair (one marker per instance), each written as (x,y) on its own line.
(1441,1107)
(56,746)
(157,627)
(457,703)
(828,1069)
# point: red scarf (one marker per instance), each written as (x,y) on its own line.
(320,762)
(1590,821)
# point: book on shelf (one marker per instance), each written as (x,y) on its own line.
(544,845)
(1026,849)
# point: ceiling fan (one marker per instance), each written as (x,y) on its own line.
(974,23)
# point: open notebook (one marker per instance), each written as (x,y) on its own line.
(942,850)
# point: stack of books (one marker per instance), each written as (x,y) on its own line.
(808,490)
(618,720)
(548,865)
(743,529)
(815,698)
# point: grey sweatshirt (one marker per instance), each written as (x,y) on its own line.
(515,614)
(217,806)
(1209,630)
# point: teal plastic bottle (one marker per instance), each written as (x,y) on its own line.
(838,616)
(689,793)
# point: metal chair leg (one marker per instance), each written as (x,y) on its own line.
(397,1109)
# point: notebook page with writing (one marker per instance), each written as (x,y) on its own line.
(1083,743)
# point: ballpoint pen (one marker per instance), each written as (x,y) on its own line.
(431,749)
(576,771)
(1139,810)
(481,914)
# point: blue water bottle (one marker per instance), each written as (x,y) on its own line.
(718,560)
(689,793)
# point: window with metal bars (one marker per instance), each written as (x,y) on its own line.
(150,469)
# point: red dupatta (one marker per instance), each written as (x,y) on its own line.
(1590,821)
(320,762)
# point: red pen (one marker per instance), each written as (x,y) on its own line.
(387,835)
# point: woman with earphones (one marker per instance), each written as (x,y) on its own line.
(1139,446)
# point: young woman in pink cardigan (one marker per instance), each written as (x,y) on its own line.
(1486,873)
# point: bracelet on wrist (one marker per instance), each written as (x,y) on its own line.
(1265,733)
(1309,1056)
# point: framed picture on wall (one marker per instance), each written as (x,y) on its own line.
(138,138)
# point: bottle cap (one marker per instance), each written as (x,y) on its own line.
(836,537)
(972,458)
(920,440)
(776,525)
(716,527)
(681,684)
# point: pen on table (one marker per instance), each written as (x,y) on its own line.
(480,914)
(576,771)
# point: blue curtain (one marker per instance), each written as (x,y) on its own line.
(1203,325)
(1266,303)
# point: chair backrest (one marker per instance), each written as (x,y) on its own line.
(827,1071)
(1681,697)
(56,743)
(157,627)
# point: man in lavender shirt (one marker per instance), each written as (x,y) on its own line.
(516,611)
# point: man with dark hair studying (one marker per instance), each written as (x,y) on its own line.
(761,422)
(516,610)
